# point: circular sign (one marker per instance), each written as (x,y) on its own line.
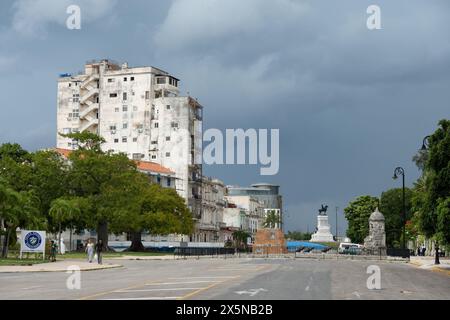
(33,240)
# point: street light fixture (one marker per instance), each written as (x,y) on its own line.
(425,143)
(400,171)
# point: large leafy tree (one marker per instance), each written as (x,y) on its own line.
(391,205)
(138,206)
(91,173)
(432,192)
(357,214)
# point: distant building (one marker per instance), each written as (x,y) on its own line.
(267,194)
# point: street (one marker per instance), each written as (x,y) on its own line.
(232,279)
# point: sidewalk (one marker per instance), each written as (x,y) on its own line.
(58,266)
(427,263)
(131,257)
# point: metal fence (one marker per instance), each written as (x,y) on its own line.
(397,252)
(186,252)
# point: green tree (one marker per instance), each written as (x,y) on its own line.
(357,214)
(432,191)
(240,239)
(138,206)
(297,235)
(391,206)
(272,219)
(64,212)
(90,176)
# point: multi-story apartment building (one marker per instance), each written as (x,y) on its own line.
(210,225)
(138,111)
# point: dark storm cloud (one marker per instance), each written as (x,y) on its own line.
(350,103)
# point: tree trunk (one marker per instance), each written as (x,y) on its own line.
(6,244)
(136,242)
(59,239)
(70,239)
(436,254)
(102,234)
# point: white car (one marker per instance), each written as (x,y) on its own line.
(345,247)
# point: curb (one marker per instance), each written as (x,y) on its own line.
(63,270)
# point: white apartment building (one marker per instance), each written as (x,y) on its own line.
(139,112)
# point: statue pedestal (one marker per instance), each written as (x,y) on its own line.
(323,233)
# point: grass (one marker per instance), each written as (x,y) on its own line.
(30,259)
(19,262)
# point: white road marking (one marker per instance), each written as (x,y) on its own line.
(160,289)
(309,284)
(186,282)
(210,277)
(356,293)
(34,287)
(251,292)
(147,298)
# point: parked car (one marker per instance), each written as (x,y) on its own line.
(350,248)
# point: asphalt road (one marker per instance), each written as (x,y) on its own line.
(233,279)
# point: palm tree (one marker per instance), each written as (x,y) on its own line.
(63,211)
(272,220)
(240,237)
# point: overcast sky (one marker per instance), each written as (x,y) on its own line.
(351,104)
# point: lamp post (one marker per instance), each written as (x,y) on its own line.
(400,171)
(337,208)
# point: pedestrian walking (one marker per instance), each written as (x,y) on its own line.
(53,250)
(99,250)
(90,250)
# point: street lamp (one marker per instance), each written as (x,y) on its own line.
(400,171)
(425,143)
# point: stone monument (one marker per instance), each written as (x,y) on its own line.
(375,242)
(322,233)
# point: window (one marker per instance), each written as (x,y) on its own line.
(132,79)
(168,107)
(113,95)
(70,84)
(124,139)
(167,154)
(156,125)
(160,80)
(137,156)
(153,157)
(124,96)
(147,95)
(117,109)
(154,142)
(134,139)
(125,125)
(125,79)
(66,130)
(168,182)
(125,108)
(110,80)
(112,128)
(147,113)
(167,138)
(116,140)
(174,124)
